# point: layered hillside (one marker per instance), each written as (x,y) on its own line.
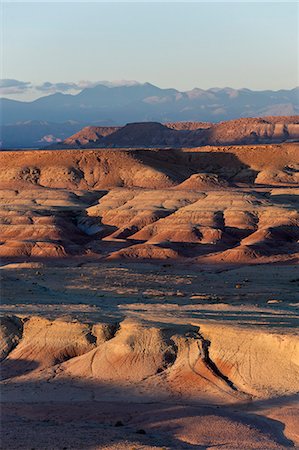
(187,134)
(158,168)
(247,131)
(215,204)
(88,136)
(176,361)
(188,125)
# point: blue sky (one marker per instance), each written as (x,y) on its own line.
(170,44)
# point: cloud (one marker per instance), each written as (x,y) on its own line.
(83,84)
(15,88)
(57,87)
(117,83)
(11,86)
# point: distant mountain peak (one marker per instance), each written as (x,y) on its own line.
(129,101)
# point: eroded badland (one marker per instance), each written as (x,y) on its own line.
(150,298)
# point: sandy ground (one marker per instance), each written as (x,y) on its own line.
(93,290)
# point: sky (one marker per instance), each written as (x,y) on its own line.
(65,46)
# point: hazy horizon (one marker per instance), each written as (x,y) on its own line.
(177,45)
(31,92)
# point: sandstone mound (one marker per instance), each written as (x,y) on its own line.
(134,354)
(288,176)
(194,374)
(87,137)
(22,265)
(209,362)
(203,221)
(240,254)
(244,227)
(151,384)
(188,125)
(145,251)
(144,134)
(45,343)
(10,334)
(253,130)
(144,354)
(132,210)
(202,181)
(39,223)
(17,248)
(263,364)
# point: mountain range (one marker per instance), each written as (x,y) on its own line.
(54,117)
